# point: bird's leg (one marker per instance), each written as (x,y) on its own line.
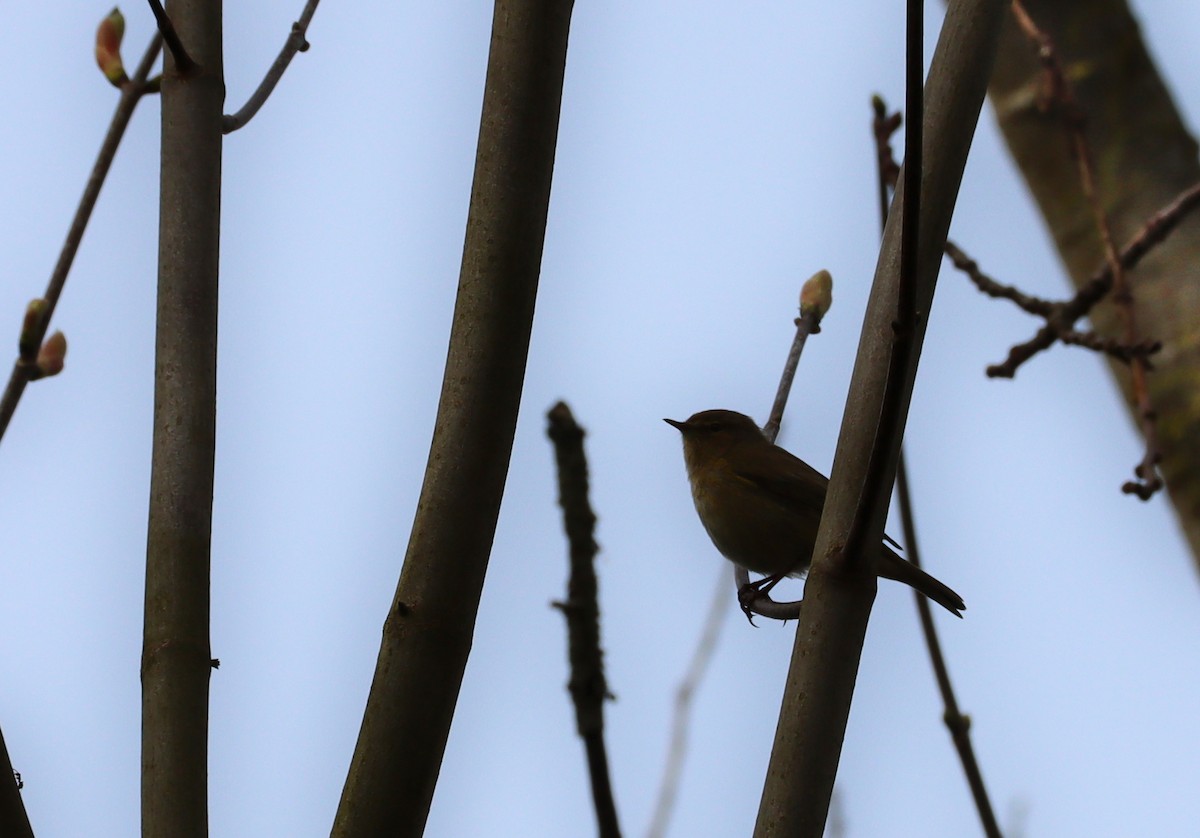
(751,591)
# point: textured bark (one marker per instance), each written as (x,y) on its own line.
(1144,158)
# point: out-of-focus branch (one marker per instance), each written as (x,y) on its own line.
(1145,156)
(296,42)
(588,686)
(1061,316)
(428,631)
(1061,95)
(668,787)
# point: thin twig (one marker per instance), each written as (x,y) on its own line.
(1064,314)
(588,686)
(871,501)
(668,788)
(989,286)
(815,299)
(295,43)
(958,724)
(183,62)
(883,125)
(131,94)
(1149,481)
(1112,347)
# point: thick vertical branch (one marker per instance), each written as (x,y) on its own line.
(175,652)
(837,601)
(427,634)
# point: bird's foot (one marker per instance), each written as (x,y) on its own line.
(751,591)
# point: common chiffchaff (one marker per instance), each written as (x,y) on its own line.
(762,506)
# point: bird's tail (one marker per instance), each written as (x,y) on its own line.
(892,566)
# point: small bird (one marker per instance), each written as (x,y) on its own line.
(762,506)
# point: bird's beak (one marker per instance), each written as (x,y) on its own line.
(675,423)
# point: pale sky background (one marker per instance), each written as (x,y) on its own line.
(711,157)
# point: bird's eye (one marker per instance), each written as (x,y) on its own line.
(713,427)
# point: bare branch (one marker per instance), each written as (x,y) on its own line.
(176,666)
(428,632)
(989,286)
(1062,316)
(958,724)
(295,43)
(668,787)
(1060,93)
(816,296)
(588,686)
(131,94)
(183,62)
(838,595)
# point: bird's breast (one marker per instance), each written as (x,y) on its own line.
(751,527)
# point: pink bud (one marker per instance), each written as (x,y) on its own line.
(52,355)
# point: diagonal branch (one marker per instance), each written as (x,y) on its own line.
(131,94)
(183,62)
(428,631)
(958,724)
(295,43)
(838,595)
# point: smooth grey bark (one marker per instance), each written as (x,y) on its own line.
(175,652)
(841,589)
(428,631)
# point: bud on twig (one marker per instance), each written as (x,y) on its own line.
(816,296)
(108,47)
(52,355)
(27,343)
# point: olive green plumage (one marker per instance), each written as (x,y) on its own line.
(762,506)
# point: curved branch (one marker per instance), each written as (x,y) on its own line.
(428,631)
(295,43)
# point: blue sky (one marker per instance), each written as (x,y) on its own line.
(710,158)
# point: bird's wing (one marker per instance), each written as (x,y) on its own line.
(789,480)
